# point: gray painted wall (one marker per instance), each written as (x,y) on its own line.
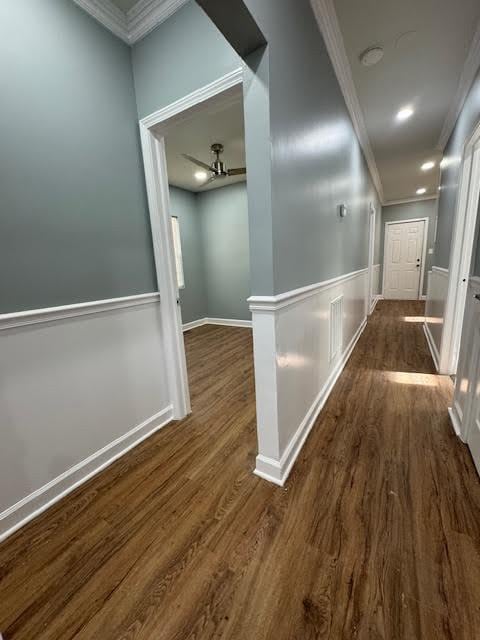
(305,147)
(214,236)
(420,209)
(74,221)
(224,218)
(182,54)
(469,117)
(317,163)
(193,297)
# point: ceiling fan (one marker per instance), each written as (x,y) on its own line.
(217,169)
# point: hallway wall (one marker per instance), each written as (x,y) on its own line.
(450,176)
(214,236)
(410,210)
(84,380)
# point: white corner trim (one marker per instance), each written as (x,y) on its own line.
(219,85)
(187,326)
(423,297)
(327,20)
(470,68)
(108,14)
(132,26)
(37,502)
(145,15)
(374,304)
(390,203)
(278,471)
(226,322)
(455,421)
(441,270)
(273,303)
(223,322)
(432,346)
(36,316)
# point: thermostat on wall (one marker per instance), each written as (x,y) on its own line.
(343,210)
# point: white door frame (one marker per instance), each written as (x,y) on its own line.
(152,133)
(424,251)
(371,255)
(461,253)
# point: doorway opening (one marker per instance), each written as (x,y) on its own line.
(195,168)
(463,243)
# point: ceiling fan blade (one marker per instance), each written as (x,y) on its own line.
(212,179)
(237,172)
(199,163)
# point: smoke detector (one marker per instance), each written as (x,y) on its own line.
(371,56)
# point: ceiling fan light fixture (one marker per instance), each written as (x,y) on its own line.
(200,175)
(371,56)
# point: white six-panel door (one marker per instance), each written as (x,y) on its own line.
(404,244)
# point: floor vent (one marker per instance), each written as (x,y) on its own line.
(336,327)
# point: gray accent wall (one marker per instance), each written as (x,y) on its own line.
(317,163)
(193,297)
(410,210)
(224,216)
(469,117)
(214,237)
(182,54)
(74,219)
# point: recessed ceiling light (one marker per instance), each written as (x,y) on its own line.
(421,191)
(200,175)
(426,166)
(371,56)
(404,113)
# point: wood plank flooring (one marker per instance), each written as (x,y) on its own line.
(375,536)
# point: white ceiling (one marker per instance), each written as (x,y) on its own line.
(426,43)
(219,119)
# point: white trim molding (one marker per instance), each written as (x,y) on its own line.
(223,322)
(53,314)
(292,334)
(470,68)
(40,500)
(327,20)
(390,203)
(432,346)
(278,471)
(132,26)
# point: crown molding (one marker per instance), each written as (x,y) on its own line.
(388,203)
(327,21)
(107,14)
(147,14)
(131,27)
(470,68)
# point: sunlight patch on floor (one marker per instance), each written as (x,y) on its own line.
(406,377)
(419,319)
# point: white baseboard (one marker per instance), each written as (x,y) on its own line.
(423,297)
(455,421)
(374,304)
(432,346)
(224,322)
(40,500)
(278,471)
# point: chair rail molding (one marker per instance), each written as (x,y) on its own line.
(51,314)
(136,23)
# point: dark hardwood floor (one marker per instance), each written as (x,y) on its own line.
(375,536)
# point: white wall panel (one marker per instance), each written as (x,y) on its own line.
(435,308)
(70,388)
(300,324)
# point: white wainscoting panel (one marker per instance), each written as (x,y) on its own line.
(376,283)
(435,309)
(465,382)
(293,371)
(76,392)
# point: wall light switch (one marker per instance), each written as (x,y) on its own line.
(430,251)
